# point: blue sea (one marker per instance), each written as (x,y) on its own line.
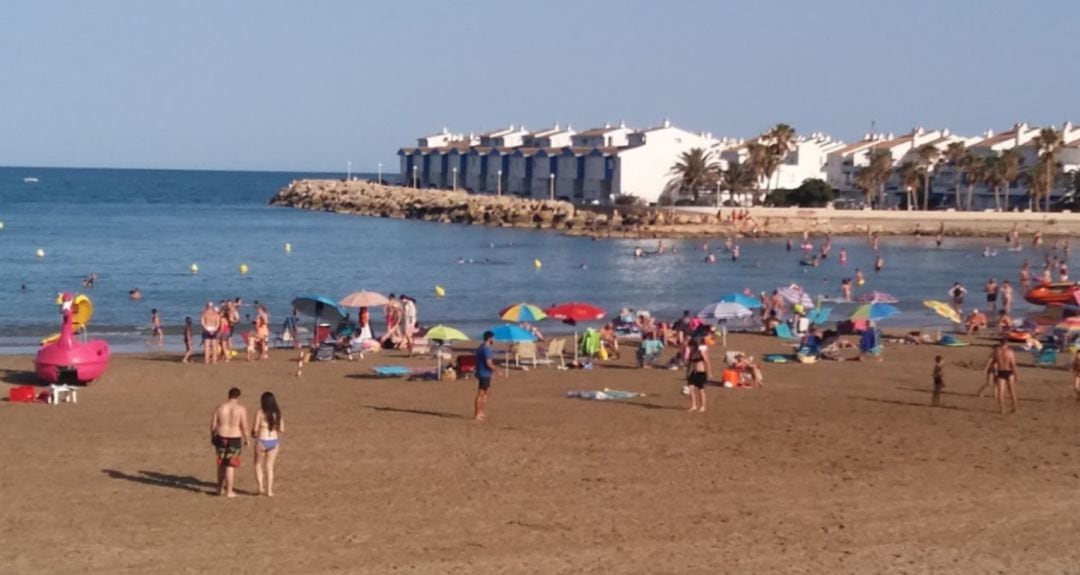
(145,228)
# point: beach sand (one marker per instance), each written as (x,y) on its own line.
(833,467)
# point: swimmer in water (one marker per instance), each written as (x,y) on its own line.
(735,254)
(710,259)
(638,252)
(845,289)
(789,244)
(135,294)
(843,256)
(940,238)
(860,279)
(705,247)
(879,263)
(660,246)
(875,242)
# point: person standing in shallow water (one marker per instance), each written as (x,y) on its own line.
(266,431)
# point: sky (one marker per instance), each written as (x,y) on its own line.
(315,84)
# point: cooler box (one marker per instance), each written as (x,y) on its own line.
(22,394)
(466,364)
(322,332)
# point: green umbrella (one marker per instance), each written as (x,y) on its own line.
(444,334)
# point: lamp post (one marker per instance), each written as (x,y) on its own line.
(380,173)
(498,183)
(551,186)
(455,179)
(415,184)
(348,171)
(717,194)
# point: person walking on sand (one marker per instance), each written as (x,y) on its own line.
(189,340)
(698,373)
(485,371)
(957,292)
(211,324)
(939,380)
(1006,297)
(227,435)
(156,333)
(266,431)
(1003,365)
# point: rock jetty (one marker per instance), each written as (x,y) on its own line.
(368,198)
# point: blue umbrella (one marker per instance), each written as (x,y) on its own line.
(874,311)
(741,299)
(320,307)
(512,333)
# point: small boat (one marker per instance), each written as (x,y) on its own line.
(1058,292)
(30,180)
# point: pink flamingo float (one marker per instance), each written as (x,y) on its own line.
(65,360)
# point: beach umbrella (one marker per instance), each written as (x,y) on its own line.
(741,299)
(573,312)
(363,299)
(522,312)
(795,295)
(319,307)
(876,297)
(943,309)
(724,311)
(444,334)
(874,311)
(1068,326)
(511,334)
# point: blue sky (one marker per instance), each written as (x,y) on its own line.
(310,85)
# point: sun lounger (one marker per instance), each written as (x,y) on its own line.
(555,351)
(783,331)
(1047,356)
(391,370)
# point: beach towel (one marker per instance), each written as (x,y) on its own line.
(776,358)
(391,370)
(950,341)
(603,395)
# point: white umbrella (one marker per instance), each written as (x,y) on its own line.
(725,310)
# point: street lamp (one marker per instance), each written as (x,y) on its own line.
(551,186)
(717,194)
(380,173)
(498,183)
(348,171)
(455,179)
(415,184)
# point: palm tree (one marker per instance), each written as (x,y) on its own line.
(972,168)
(1010,170)
(1041,182)
(738,177)
(781,142)
(1048,145)
(954,155)
(872,177)
(761,164)
(695,170)
(994,176)
(928,155)
(910,174)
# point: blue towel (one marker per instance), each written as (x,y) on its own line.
(391,370)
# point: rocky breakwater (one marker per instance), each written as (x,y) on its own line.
(372,199)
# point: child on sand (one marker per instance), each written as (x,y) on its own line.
(188,343)
(939,380)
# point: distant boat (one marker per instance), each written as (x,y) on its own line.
(30,180)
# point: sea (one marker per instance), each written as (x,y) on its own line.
(145,229)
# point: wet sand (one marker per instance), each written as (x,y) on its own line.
(833,467)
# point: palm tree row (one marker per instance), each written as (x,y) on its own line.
(697,169)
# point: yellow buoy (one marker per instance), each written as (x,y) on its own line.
(537,264)
(243,269)
(439,291)
(40,253)
(194,268)
(288,248)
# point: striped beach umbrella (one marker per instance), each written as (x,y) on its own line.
(795,295)
(874,311)
(522,312)
(943,309)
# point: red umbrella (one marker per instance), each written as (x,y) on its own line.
(573,312)
(576,311)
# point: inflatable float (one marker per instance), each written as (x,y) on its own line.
(1058,292)
(82,309)
(66,360)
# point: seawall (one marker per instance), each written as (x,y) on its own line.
(371,199)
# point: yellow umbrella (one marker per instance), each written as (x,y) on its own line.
(444,334)
(943,309)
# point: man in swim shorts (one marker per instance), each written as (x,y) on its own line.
(227,435)
(1002,365)
(485,370)
(211,323)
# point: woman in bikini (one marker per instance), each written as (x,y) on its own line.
(698,372)
(267,431)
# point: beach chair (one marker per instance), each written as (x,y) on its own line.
(783,331)
(1045,357)
(555,351)
(283,340)
(525,351)
(819,316)
(648,353)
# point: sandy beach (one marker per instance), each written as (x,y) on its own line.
(833,467)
